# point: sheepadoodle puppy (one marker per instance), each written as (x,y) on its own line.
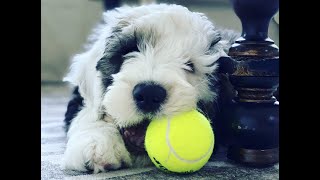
(143,62)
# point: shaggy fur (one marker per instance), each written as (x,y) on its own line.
(164,44)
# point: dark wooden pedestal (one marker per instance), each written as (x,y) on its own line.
(250,111)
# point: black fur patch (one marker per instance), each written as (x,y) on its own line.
(74,106)
(117,46)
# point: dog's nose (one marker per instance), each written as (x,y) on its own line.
(149,96)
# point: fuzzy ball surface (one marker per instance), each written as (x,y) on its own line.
(180,144)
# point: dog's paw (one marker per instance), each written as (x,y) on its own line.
(96,152)
(100,158)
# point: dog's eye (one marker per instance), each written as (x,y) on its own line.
(188,66)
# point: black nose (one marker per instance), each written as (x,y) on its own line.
(149,96)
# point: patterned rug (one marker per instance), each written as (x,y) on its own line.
(53,141)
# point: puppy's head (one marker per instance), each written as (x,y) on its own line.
(159,64)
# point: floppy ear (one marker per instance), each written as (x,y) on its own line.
(223,41)
(228,37)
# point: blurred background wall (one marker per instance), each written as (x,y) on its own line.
(65,25)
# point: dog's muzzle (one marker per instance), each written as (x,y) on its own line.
(149,96)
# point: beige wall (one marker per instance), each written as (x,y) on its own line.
(65,25)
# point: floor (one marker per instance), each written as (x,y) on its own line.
(53,105)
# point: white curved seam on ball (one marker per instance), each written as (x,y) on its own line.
(180,158)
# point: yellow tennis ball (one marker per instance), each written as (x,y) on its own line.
(181,144)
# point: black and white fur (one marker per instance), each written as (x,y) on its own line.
(162,44)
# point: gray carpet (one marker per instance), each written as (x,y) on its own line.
(53,141)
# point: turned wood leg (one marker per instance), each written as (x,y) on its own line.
(251,116)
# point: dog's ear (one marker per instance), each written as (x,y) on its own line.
(221,44)
(227,38)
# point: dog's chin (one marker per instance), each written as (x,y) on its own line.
(134,136)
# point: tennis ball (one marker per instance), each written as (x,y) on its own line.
(181,144)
